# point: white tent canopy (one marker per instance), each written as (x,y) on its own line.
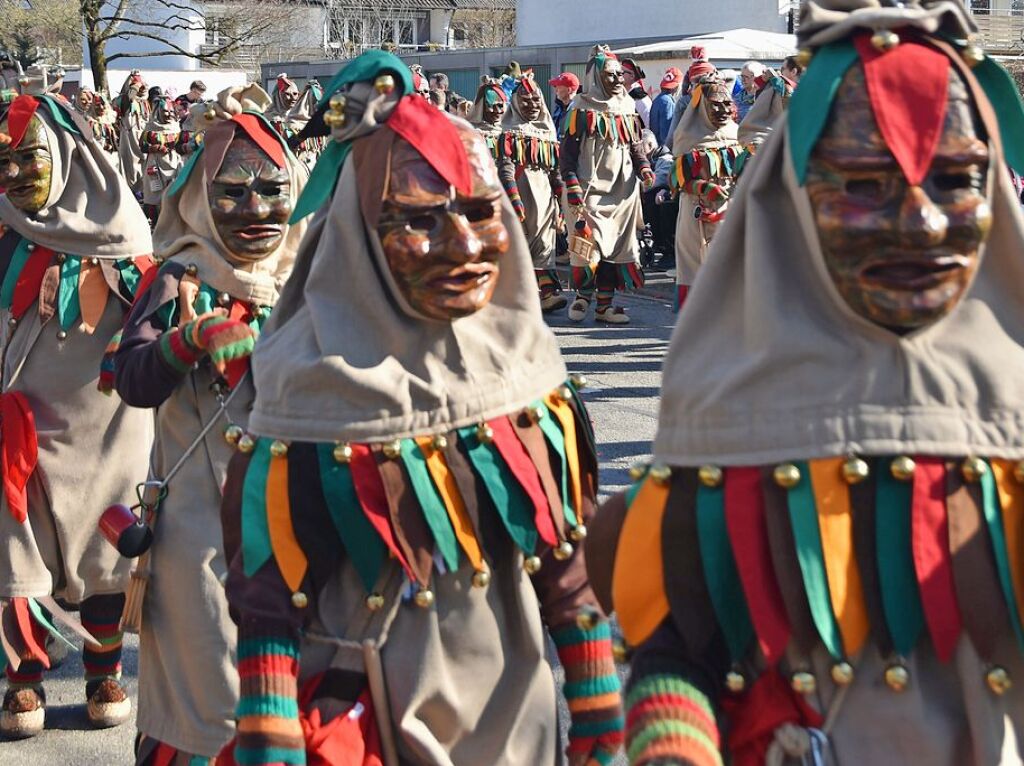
(730,47)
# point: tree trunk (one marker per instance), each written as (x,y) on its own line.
(98,64)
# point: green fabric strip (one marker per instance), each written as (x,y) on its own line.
(258,757)
(430,501)
(68,309)
(1005,99)
(901,601)
(994,521)
(720,573)
(810,104)
(58,115)
(130,275)
(256,550)
(634,489)
(557,440)
(206,300)
(510,501)
(185,172)
(803,517)
(18,261)
(322,180)
(364,546)
(40,616)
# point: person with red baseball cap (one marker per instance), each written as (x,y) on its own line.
(566,85)
(664,105)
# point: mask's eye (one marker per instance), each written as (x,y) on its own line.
(864,188)
(953,181)
(235,192)
(424,223)
(479,213)
(272,190)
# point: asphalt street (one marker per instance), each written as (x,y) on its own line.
(623,367)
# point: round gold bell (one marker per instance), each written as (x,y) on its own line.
(661,474)
(903,468)
(300,600)
(587,618)
(620,652)
(384,84)
(973,55)
(278,448)
(710,475)
(973,468)
(12,322)
(536,414)
(439,442)
(563,552)
(62,335)
(335,116)
(1018,472)
(337,103)
(735,681)
(342,452)
(481,578)
(375,602)
(392,449)
(210,115)
(804,56)
(424,598)
(855,470)
(246,443)
(803,682)
(842,673)
(578,533)
(637,471)
(191,269)
(485,433)
(897,677)
(233,433)
(61,257)
(998,680)
(579,382)
(532,564)
(565,393)
(885,40)
(786,475)
(223,299)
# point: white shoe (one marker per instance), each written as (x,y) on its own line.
(613,315)
(23,714)
(578,310)
(109,705)
(553,302)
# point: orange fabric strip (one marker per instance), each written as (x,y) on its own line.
(1011,500)
(563,412)
(835,522)
(449,491)
(638,583)
(92,295)
(287,551)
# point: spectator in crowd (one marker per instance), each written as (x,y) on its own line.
(634,76)
(439,98)
(439,81)
(660,206)
(744,91)
(420,83)
(565,85)
(664,105)
(195,94)
(700,67)
(792,70)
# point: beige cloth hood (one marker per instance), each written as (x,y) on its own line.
(695,130)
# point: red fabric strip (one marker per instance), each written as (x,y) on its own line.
(259,132)
(30,281)
(748,533)
(19,451)
(908,88)
(236,368)
(435,137)
(149,275)
(519,463)
(932,561)
(18,115)
(164,755)
(374,501)
(27,628)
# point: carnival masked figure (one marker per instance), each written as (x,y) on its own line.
(133,112)
(291,112)
(227,248)
(706,155)
(101,118)
(773,94)
(160,143)
(405,511)
(488,112)
(826,562)
(75,249)
(528,168)
(602,165)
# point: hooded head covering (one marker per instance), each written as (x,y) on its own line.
(489,89)
(768,362)
(185,232)
(543,126)
(769,104)
(593,96)
(695,129)
(90,210)
(347,358)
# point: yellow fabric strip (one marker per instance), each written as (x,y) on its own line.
(449,491)
(563,412)
(92,295)
(1011,501)
(835,522)
(287,551)
(638,584)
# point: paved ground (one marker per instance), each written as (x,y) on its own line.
(623,366)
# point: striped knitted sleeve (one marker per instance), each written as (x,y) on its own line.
(269,732)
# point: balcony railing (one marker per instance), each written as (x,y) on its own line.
(1001,30)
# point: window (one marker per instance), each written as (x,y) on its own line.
(406,32)
(343,30)
(981,7)
(216,30)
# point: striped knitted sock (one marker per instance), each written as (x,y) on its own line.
(591,690)
(670,720)
(548,285)
(29,675)
(268,710)
(604,297)
(101,616)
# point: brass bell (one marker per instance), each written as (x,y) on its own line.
(710,475)
(62,335)
(246,443)
(233,433)
(191,269)
(855,470)
(335,116)
(565,393)
(210,114)
(1018,472)
(885,40)
(481,578)
(342,452)
(485,433)
(31,247)
(375,602)
(842,673)
(536,414)
(94,261)
(300,600)
(578,533)
(661,474)
(973,468)
(637,471)
(973,55)
(587,618)
(620,652)
(998,680)
(903,468)
(384,84)
(563,552)
(803,682)
(61,257)
(804,56)
(223,299)
(424,598)
(579,382)
(439,442)
(532,565)
(12,322)
(278,448)
(897,677)
(392,449)
(786,475)
(735,681)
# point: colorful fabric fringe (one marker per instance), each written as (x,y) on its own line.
(705,165)
(154,139)
(618,128)
(524,150)
(668,718)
